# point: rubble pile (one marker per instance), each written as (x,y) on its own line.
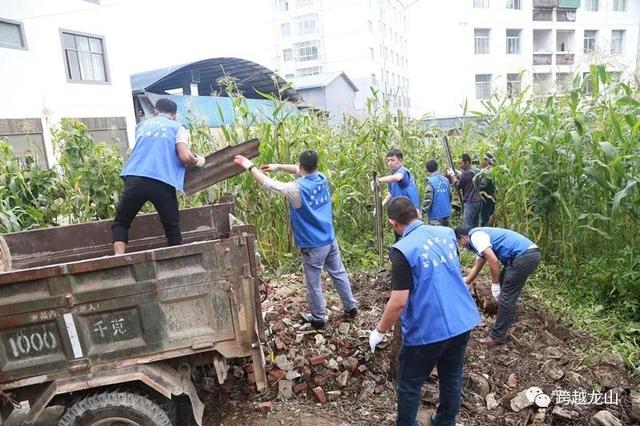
(536,378)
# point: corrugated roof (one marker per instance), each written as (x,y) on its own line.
(251,78)
(320,80)
(447,123)
(215,111)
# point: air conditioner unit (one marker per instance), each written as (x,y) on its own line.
(571,16)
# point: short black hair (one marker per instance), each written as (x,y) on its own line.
(466,158)
(462,230)
(432,166)
(308,160)
(166,106)
(395,153)
(402,210)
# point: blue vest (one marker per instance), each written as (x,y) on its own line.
(406,187)
(154,155)
(439,305)
(441,205)
(506,244)
(312,223)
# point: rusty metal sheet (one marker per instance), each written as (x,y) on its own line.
(219,166)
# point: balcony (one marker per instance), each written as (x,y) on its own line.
(564,58)
(545,4)
(543,14)
(542,58)
(565,15)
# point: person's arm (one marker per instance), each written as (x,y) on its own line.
(494,264)
(386,199)
(392,310)
(290,190)
(397,177)
(428,199)
(184,152)
(288,168)
(475,270)
(460,182)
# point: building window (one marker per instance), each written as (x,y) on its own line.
(12,35)
(481,4)
(285,29)
(591,5)
(288,76)
(514,4)
(304,3)
(84,57)
(306,51)
(371,53)
(513,84)
(370,26)
(513,42)
(483,86)
(481,37)
(590,37)
(306,24)
(373,79)
(619,5)
(287,55)
(283,5)
(617,42)
(303,72)
(616,76)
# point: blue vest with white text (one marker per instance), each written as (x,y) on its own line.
(154,155)
(439,305)
(506,244)
(441,205)
(312,223)
(409,190)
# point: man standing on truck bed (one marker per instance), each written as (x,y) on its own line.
(312,222)
(153,172)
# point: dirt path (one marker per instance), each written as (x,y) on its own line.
(331,378)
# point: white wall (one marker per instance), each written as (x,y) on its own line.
(33,82)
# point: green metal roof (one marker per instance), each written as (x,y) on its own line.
(569,4)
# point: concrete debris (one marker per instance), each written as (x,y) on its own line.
(605,418)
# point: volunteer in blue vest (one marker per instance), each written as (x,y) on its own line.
(436,309)
(519,257)
(400,181)
(311,215)
(437,197)
(153,172)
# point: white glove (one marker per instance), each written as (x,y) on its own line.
(495,290)
(200,160)
(375,338)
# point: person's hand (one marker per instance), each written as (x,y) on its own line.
(419,214)
(495,290)
(466,280)
(450,172)
(375,338)
(242,161)
(200,160)
(269,168)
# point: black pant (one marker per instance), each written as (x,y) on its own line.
(138,190)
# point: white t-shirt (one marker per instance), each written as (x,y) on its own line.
(482,241)
(183,136)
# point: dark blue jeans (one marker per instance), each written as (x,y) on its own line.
(471,213)
(416,363)
(488,207)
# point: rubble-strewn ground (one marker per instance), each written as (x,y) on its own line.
(329,377)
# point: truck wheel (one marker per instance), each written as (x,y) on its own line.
(117,408)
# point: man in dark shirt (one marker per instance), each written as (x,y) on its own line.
(486,187)
(471,199)
(437,313)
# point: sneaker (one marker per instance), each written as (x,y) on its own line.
(352,313)
(317,324)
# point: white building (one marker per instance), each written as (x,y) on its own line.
(62,59)
(366,39)
(477,47)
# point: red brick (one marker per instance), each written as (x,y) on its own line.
(316,360)
(264,407)
(302,386)
(319,395)
(321,379)
(275,375)
(251,378)
(248,368)
(379,389)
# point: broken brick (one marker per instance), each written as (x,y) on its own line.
(317,360)
(379,389)
(275,376)
(319,395)
(251,378)
(322,379)
(264,407)
(302,386)
(248,368)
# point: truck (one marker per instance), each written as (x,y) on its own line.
(115,339)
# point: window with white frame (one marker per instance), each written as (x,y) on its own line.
(617,42)
(287,55)
(590,37)
(619,5)
(513,84)
(84,57)
(303,72)
(306,24)
(285,29)
(481,41)
(481,4)
(305,3)
(288,76)
(306,51)
(283,5)
(591,5)
(514,4)
(513,42)
(483,86)
(12,34)
(373,79)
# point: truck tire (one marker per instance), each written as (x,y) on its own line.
(115,408)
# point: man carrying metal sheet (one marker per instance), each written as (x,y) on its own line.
(311,216)
(153,172)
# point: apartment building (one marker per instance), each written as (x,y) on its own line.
(505,46)
(365,39)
